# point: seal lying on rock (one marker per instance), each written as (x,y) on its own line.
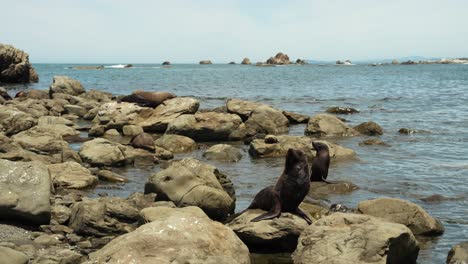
(147,99)
(288,192)
(321,163)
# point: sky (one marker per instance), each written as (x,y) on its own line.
(152,31)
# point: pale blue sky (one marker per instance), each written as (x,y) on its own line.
(114,31)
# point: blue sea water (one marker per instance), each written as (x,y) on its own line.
(433,98)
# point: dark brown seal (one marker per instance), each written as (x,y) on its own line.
(321,163)
(147,99)
(143,141)
(288,192)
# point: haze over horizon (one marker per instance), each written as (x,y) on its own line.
(105,31)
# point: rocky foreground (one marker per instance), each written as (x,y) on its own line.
(185,214)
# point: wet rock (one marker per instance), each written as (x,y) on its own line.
(167,112)
(301,61)
(342,110)
(163,154)
(279,59)
(409,131)
(314,211)
(107,175)
(11,256)
(403,212)
(325,125)
(208,126)
(242,108)
(166,63)
(176,143)
(60,214)
(13,121)
(373,142)
(369,128)
(190,182)
(458,254)
(232,62)
(71,175)
(15,66)
(223,152)
(108,215)
(246,61)
(66,85)
(318,189)
(138,157)
(260,149)
(205,62)
(295,118)
(266,119)
(275,235)
(25,192)
(206,241)
(353,238)
(102,152)
(132,130)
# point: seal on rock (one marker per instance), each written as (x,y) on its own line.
(288,192)
(147,99)
(321,163)
(143,141)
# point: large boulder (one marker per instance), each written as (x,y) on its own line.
(223,152)
(15,66)
(66,85)
(261,148)
(71,175)
(458,254)
(166,112)
(205,62)
(98,96)
(45,139)
(403,212)
(206,126)
(102,152)
(352,238)
(246,61)
(176,235)
(13,120)
(108,215)
(326,125)
(279,59)
(242,108)
(275,235)
(267,120)
(115,115)
(11,256)
(176,143)
(189,182)
(25,192)
(369,128)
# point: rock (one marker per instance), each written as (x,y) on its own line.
(147,99)
(45,139)
(88,67)
(75,110)
(189,182)
(61,214)
(176,143)
(208,126)
(403,212)
(117,115)
(275,235)
(167,112)
(143,141)
(353,238)
(271,139)
(373,142)
(295,118)
(48,240)
(223,152)
(98,96)
(25,192)
(11,256)
(242,108)
(102,152)
(346,62)
(246,61)
(112,133)
(342,110)
(107,175)
(206,62)
(261,149)
(4,94)
(325,125)
(166,63)
(458,254)
(409,131)
(279,59)
(71,175)
(301,61)
(232,63)
(15,66)
(266,119)
(320,189)
(162,153)
(37,94)
(176,236)
(108,215)
(132,130)
(14,121)
(66,85)
(54,120)
(409,62)
(369,128)
(395,62)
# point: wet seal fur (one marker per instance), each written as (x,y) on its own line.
(321,163)
(147,99)
(288,192)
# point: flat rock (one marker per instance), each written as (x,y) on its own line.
(71,175)
(176,143)
(326,125)
(102,152)
(223,152)
(242,108)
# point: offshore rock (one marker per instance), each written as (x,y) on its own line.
(15,66)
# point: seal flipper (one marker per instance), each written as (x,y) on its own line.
(274,212)
(300,213)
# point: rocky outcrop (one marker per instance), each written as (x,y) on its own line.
(71,175)
(15,66)
(458,254)
(25,191)
(246,61)
(326,125)
(301,62)
(369,128)
(206,126)
(295,118)
(165,63)
(205,62)
(351,238)
(279,59)
(267,120)
(223,152)
(176,235)
(275,235)
(176,143)
(342,110)
(190,182)
(403,212)
(45,139)
(66,85)
(267,147)
(242,108)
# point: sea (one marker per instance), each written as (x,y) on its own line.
(431,99)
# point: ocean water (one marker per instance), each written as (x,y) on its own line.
(433,98)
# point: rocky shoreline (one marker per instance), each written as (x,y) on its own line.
(186,211)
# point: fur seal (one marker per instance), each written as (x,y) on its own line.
(288,192)
(143,141)
(321,163)
(147,99)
